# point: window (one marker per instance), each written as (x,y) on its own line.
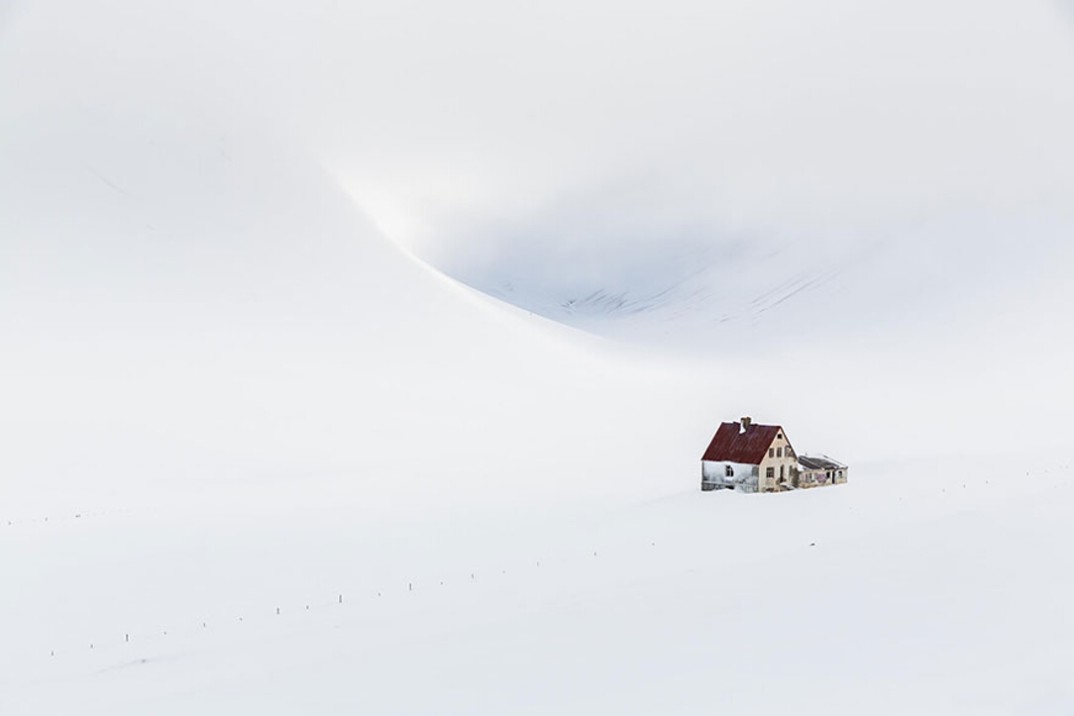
(779,452)
(771,452)
(729,471)
(779,436)
(770,472)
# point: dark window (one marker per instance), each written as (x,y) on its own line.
(771,452)
(771,472)
(779,452)
(729,471)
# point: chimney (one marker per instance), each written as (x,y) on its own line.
(746,422)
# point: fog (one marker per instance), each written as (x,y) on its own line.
(451,122)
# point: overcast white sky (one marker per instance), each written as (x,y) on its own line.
(770,111)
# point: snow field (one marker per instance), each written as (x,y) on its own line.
(671,601)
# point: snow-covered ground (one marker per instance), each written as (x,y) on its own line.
(933,587)
(258,454)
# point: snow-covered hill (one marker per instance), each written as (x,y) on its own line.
(258,454)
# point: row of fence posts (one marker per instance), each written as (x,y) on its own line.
(339,601)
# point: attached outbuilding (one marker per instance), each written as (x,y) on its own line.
(815,471)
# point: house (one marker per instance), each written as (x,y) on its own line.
(822,470)
(748,457)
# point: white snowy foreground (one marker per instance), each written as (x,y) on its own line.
(919,587)
(258,456)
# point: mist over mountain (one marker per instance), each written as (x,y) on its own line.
(928,161)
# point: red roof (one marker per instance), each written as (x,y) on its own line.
(733,444)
